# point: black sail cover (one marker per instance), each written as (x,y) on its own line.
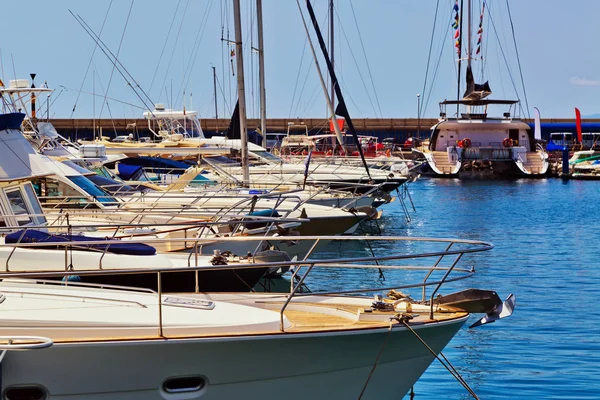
(475,91)
(341,109)
(233,131)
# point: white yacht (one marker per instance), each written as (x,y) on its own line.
(475,144)
(23,221)
(82,342)
(467,142)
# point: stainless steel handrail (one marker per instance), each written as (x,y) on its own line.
(450,249)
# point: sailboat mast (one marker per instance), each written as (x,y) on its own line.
(216,106)
(336,127)
(261,74)
(241,91)
(331,48)
(459,55)
(469,18)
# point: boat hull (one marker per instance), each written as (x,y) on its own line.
(483,170)
(238,280)
(47,260)
(325,365)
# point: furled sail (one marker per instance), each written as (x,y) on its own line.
(475,91)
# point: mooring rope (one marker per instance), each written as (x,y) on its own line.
(362,392)
(445,363)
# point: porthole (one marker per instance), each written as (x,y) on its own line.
(25,393)
(187,384)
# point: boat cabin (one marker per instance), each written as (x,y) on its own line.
(475,130)
(274,140)
(20,206)
(327,145)
(173,124)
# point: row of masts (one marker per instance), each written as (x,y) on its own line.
(262,90)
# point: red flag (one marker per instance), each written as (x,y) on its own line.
(578,124)
(340,123)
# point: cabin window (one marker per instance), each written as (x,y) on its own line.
(18,206)
(52,192)
(39,218)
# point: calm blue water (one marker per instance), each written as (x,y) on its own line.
(546,252)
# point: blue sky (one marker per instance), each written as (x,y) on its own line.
(561,70)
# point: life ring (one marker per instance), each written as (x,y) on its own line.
(388,153)
(507,142)
(466,143)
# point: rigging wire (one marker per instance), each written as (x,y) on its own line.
(303,86)
(427,98)
(305,76)
(347,91)
(312,99)
(111,57)
(228,42)
(121,68)
(429,54)
(91,58)
(297,77)
(164,46)
(116,57)
(367,59)
(512,27)
(356,64)
(174,47)
(99,95)
(506,61)
(187,75)
(222,89)
(486,48)
(500,74)
(104,101)
(297,104)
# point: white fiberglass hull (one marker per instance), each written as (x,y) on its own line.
(327,365)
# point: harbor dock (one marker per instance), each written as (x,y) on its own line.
(397,128)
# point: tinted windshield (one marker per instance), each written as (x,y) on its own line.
(77,167)
(91,189)
(113,186)
(268,156)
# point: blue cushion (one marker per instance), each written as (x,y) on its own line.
(35,236)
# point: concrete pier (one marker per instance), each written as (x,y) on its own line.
(397,128)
